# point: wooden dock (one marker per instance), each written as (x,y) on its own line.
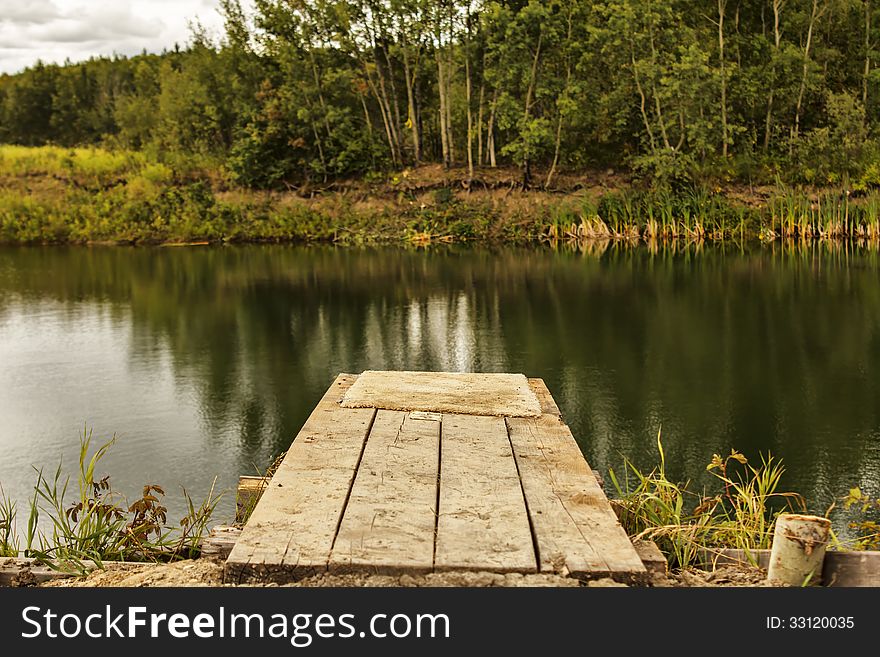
(418,488)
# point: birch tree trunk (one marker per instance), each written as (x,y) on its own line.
(815,14)
(470,124)
(411,106)
(441,92)
(527,109)
(480,102)
(450,69)
(394,104)
(867,71)
(777,38)
(490,130)
(558,144)
(658,109)
(725,134)
(382,112)
(468,94)
(643,101)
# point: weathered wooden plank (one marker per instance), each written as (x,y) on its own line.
(575,528)
(549,407)
(851,569)
(388,525)
(292,527)
(219,542)
(548,404)
(466,393)
(562,543)
(482,523)
(652,558)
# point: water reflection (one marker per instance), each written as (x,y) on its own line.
(208,360)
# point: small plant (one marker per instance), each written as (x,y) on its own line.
(249,496)
(652,505)
(87,529)
(866,526)
(99,525)
(687,525)
(8,539)
(745,511)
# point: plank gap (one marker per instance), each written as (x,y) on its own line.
(483,524)
(437,499)
(351,484)
(292,527)
(388,525)
(525,500)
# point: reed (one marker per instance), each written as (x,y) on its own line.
(686,524)
(827,215)
(661,215)
(698,214)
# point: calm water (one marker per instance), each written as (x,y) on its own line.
(206,361)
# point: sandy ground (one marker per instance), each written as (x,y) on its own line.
(208,572)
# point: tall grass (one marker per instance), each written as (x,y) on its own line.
(698,214)
(94,164)
(657,215)
(826,215)
(687,525)
(8,538)
(97,524)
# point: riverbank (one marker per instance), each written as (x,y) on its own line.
(50,195)
(208,572)
(679,547)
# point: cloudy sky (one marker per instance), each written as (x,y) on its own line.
(54,30)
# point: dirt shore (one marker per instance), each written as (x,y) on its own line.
(209,572)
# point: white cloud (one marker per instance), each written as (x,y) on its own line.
(56,30)
(33,11)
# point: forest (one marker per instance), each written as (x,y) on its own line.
(672,91)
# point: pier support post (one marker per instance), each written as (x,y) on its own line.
(798,549)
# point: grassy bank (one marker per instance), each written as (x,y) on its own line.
(740,512)
(87,195)
(76,520)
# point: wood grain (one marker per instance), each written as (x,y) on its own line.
(482,522)
(292,527)
(388,525)
(575,528)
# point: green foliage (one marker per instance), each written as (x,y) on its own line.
(294,92)
(8,538)
(830,154)
(85,165)
(665,168)
(687,525)
(866,524)
(97,524)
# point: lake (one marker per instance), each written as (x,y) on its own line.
(205,361)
